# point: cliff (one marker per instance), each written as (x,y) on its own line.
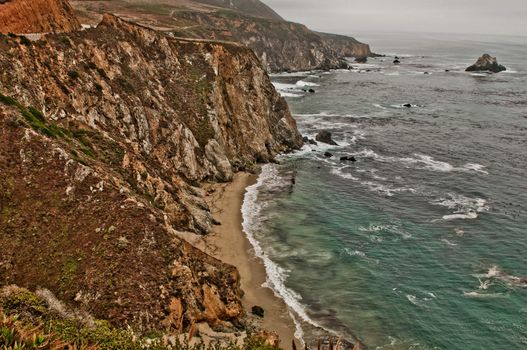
(280,45)
(105,137)
(36,16)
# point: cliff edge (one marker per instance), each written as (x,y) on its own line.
(105,137)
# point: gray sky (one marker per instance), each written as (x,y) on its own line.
(501,17)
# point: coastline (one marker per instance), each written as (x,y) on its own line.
(230,244)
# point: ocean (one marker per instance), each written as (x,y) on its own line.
(422,242)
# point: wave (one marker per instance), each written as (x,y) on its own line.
(373,186)
(422,160)
(276,276)
(305,83)
(483,295)
(464,207)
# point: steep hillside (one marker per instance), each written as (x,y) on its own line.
(36,16)
(253,8)
(280,45)
(105,137)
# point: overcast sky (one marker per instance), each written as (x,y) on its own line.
(502,17)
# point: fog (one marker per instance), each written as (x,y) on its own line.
(504,17)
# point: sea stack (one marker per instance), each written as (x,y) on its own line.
(486,63)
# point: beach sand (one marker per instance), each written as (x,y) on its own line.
(229,243)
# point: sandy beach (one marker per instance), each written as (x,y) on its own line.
(230,244)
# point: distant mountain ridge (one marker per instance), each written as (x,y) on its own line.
(254,8)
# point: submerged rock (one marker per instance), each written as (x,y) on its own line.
(396,61)
(348,159)
(324,136)
(407,105)
(486,63)
(310,141)
(328,155)
(361,59)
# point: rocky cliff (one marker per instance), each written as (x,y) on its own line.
(281,45)
(105,136)
(36,16)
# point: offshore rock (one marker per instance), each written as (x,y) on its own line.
(325,137)
(486,63)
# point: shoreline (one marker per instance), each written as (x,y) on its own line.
(229,243)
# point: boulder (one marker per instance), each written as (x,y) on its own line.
(361,59)
(486,63)
(310,141)
(407,105)
(348,159)
(257,311)
(396,61)
(324,136)
(328,155)
(311,91)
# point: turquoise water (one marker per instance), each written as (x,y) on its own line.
(422,243)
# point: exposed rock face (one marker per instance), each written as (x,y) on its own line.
(280,45)
(36,16)
(486,63)
(95,188)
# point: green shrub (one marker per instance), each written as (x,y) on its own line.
(73,74)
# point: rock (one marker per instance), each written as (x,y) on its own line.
(396,58)
(324,136)
(426,73)
(361,59)
(257,311)
(447,70)
(37,16)
(328,155)
(407,105)
(311,91)
(396,61)
(486,63)
(348,159)
(310,141)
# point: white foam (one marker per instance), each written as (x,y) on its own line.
(423,161)
(476,167)
(276,276)
(289,94)
(471,215)
(482,295)
(464,207)
(352,252)
(306,83)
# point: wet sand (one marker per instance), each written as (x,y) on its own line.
(229,243)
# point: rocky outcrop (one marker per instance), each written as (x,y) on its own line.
(325,136)
(280,45)
(36,16)
(105,137)
(486,63)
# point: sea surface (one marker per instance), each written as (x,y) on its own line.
(422,242)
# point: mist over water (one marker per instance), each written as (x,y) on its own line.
(421,243)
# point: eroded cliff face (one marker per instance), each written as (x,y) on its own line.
(36,16)
(280,45)
(105,135)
